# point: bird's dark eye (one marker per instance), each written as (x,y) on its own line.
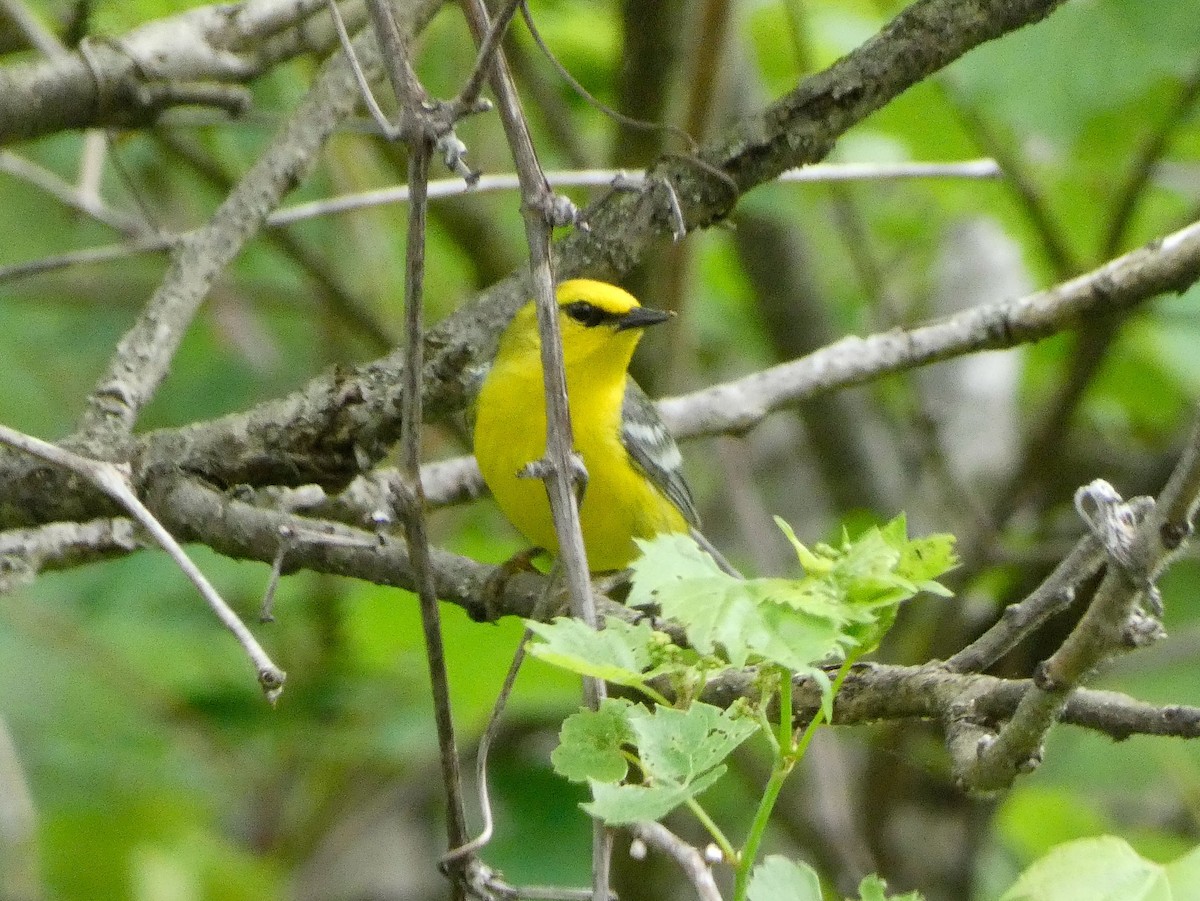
(586,314)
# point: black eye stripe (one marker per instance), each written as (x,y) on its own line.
(587,314)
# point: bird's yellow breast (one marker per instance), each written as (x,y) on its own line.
(620,502)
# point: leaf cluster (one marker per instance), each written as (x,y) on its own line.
(642,761)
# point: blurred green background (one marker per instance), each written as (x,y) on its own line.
(132,734)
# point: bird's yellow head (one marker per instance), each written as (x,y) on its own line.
(598,321)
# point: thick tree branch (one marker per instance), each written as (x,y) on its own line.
(322,434)
(1139,538)
(197,57)
(1171,264)
(877,692)
(872,692)
(58,545)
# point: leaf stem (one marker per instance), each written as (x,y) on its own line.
(786,755)
(811,729)
(714,830)
(786,732)
(779,772)
(653,695)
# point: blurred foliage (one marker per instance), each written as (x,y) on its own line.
(157,772)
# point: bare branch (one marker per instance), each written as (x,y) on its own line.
(58,545)
(563,471)
(1019,620)
(114,482)
(455,187)
(689,859)
(198,56)
(1139,543)
(65,192)
(411,96)
(1170,264)
(872,693)
(31,28)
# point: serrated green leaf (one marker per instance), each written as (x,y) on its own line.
(872,553)
(922,560)
(678,746)
(717,614)
(846,603)
(620,653)
(620,805)
(872,888)
(668,558)
(590,743)
(815,596)
(780,879)
(797,641)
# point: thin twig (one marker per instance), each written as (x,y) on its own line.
(592,99)
(1023,618)
(455,187)
(112,481)
(411,95)
(389,131)
(601,178)
(62,190)
(562,464)
(689,858)
(31,28)
(483,60)
(481,756)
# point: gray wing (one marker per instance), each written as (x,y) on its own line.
(654,451)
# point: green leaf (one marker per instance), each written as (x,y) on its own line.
(1106,869)
(679,746)
(780,879)
(872,888)
(620,805)
(669,557)
(798,641)
(922,560)
(717,613)
(1184,874)
(620,653)
(811,563)
(680,753)
(590,743)
(845,604)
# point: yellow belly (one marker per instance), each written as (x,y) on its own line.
(620,503)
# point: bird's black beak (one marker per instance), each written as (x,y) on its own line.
(640,317)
